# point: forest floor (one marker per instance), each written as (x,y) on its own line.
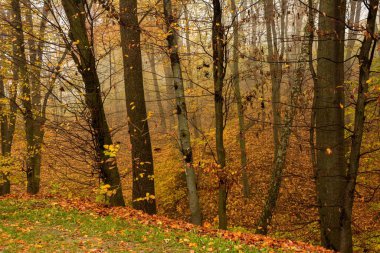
(53,224)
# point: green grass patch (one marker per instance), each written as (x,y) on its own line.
(39,226)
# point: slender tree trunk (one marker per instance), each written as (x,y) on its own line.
(253,24)
(285,132)
(12,101)
(183,126)
(35,57)
(5,184)
(329,92)
(169,92)
(33,151)
(366,55)
(218,47)
(354,21)
(161,111)
(310,32)
(143,194)
(352,36)
(86,63)
(8,121)
(239,104)
(275,69)
(278,168)
(195,119)
(274,58)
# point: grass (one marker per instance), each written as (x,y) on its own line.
(40,226)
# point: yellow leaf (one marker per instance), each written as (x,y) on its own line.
(150,114)
(207,224)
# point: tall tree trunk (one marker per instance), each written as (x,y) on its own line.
(279,164)
(35,57)
(352,35)
(8,120)
(169,92)
(253,24)
(195,118)
(86,63)
(275,66)
(33,150)
(366,55)
(329,92)
(5,184)
(157,91)
(239,104)
(310,32)
(143,194)
(183,126)
(280,139)
(355,15)
(218,48)
(285,132)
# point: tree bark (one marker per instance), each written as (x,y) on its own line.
(366,55)
(33,149)
(296,82)
(8,121)
(280,136)
(183,126)
(85,60)
(157,91)
(143,193)
(274,56)
(195,118)
(310,32)
(239,104)
(352,35)
(5,184)
(35,57)
(169,92)
(218,47)
(329,92)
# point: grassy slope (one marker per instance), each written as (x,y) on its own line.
(52,225)
(39,226)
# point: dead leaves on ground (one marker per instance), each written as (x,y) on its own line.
(127,213)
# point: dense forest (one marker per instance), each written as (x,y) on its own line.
(257,116)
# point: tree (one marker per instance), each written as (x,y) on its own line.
(296,79)
(195,118)
(152,62)
(219,72)
(169,90)
(238,99)
(8,113)
(33,163)
(6,142)
(366,56)
(355,12)
(143,192)
(84,57)
(275,55)
(280,135)
(181,110)
(329,92)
